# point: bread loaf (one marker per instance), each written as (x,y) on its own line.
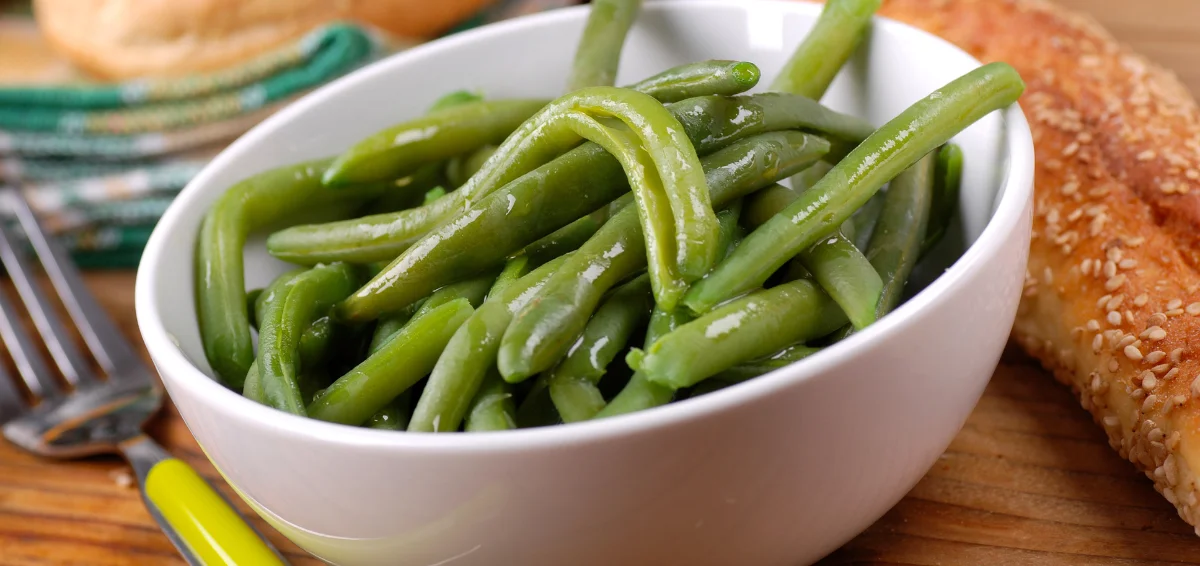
(1112,297)
(118,39)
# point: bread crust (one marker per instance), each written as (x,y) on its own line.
(119,39)
(1112,296)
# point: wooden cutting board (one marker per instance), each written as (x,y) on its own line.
(1029,480)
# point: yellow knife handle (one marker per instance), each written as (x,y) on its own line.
(201,523)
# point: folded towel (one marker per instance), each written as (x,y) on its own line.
(100,163)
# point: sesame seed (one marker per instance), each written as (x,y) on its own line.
(1127,341)
(1160,368)
(1195,388)
(1114,318)
(1169,494)
(1177,355)
(1157,319)
(1110,268)
(1193,309)
(1115,302)
(1075,215)
(1155,333)
(1135,242)
(1113,366)
(1111,421)
(1115,282)
(1070,188)
(1192,174)
(1070,149)
(1133,353)
(1156,435)
(1103,301)
(1127,263)
(1174,304)
(1148,404)
(1093,326)
(1097,343)
(1140,300)
(1169,467)
(1149,382)
(1174,312)
(1146,155)
(1142,377)
(1086,266)
(1155,356)
(1137,344)
(1137,394)
(1172,373)
(1129,316)
(1173,438)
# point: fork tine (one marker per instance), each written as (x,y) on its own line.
(24,353)
(106,343)
(64,353)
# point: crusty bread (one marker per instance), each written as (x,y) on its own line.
(119,39)
(1112,298)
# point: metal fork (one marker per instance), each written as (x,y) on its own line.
(103,416)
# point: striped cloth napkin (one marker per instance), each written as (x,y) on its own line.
(101,162)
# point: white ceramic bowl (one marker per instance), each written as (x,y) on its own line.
(779,470)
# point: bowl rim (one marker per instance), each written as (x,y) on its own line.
(1016,188)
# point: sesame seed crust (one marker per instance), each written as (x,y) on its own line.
(1117,142)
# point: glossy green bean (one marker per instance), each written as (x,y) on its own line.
(741,330)
(764,204)
(947,180)
(570,237)
(641,393)
(838,31)
(401,149)
(387,373)
(287,311)
(251,299)
(755,368)
(543,332)
(252,387)
(514,269)
(862,222)
(315,341)
(573,185)
(572,383)
(471,353)
(395,415)
(388,326)
(725,78)
(847,275)
(455,98)
(599,50)
(282,196)
(820,210)
(473,290)
(493,407)
(896,244)
(460,168)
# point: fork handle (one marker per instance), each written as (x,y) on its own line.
(200,522)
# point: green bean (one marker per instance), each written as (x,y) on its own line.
(832,40)
(896,244)
(285,195)
(570,237)
(395,415)
(741,330)
(846,274)
(862,222)
(947,180)
(821,209)
(725,78)
(514,269)
(315,341)
(409,191)
(384,375)
(399,150)
(388,326)
(731,233)
(461,167)
(599,49)
(473,290)
(573,185)
(455,98)
(764,204)
(471,353)
(252,387)
(542,333)
(755,368)
(493,407)
(288,309)
(572,382)
(641,393)
(251,299)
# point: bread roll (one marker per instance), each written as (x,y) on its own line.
(118,39)
(1112,297)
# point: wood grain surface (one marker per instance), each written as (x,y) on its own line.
(1029,480)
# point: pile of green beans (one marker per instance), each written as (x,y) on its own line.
(490,264)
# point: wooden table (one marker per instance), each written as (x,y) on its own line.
(1029,480)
